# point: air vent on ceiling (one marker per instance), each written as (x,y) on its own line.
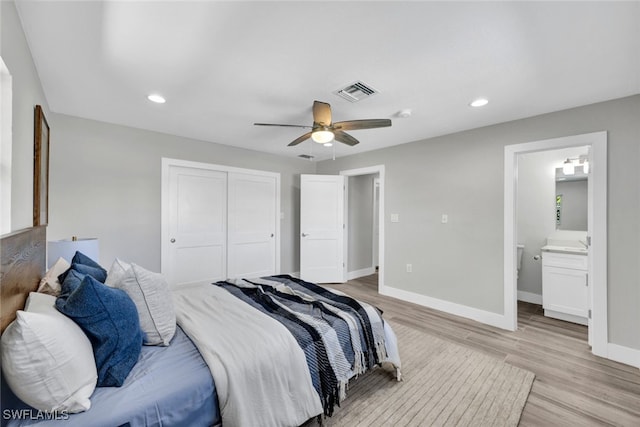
(356,91)
(305,156)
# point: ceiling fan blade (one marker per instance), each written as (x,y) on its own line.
(300,139)
(321,113)
(362,124)
(345,138)
(289,126)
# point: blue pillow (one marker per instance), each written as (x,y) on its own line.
(85,265)
(110,319)
(71,282)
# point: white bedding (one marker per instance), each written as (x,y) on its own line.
(260,372)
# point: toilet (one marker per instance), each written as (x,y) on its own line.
(520,252)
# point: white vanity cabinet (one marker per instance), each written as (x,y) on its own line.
(565,291)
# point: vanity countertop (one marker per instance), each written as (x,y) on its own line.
(565,249)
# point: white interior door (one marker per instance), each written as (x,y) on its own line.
(194,242)
(322,244)
(252,225)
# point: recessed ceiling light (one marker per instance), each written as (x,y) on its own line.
(480,102)
(156,98)
(404,113)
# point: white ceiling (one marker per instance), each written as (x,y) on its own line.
(224,65)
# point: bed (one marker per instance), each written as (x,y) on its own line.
(241,354)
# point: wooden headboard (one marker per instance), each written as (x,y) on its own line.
(22,265)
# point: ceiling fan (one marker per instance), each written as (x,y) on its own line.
(324,130)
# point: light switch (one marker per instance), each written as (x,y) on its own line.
(445,218)
(395,218)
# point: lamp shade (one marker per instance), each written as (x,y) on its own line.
(67,248)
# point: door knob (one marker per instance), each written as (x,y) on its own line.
(172,240)
(304,234)
(272,234)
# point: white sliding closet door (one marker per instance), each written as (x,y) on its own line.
(252,225)
(195,239)
(218,222)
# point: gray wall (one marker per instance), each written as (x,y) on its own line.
(536,214)
(27,93)
(360,254)
(462,175)
(105,183)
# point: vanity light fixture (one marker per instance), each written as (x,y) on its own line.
(158,99)
(583,160)
(568,168)
(480,102)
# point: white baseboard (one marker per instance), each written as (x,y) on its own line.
(626,355)
(530,297)
(360,273)
(566,317)
(482,316)
(615,352)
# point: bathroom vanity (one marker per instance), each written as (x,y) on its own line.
(565,291)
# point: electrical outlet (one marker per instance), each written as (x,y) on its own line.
(395,217)
(445,218)
(409,268)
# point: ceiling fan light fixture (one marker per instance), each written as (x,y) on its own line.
(328,144)
(322,136)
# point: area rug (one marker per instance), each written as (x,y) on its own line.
(444,384)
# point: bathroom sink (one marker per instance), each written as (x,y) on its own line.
(565,249)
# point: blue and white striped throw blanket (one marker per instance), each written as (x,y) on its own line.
(340,336)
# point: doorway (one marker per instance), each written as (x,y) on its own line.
(370,249)
(597,229)
(552,207)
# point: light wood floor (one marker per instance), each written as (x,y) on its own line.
(572,386)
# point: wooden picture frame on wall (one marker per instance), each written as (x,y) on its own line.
(40,169)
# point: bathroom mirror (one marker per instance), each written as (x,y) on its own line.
(571,201)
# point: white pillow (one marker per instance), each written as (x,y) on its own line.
(46,358)
(150,293)
(50,283)
(117,272)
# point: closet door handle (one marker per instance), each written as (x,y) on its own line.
(272,234)
(304,234)
(172,240)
